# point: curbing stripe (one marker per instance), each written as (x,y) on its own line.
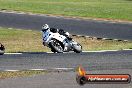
(106,39)
(99,38)
(89,37)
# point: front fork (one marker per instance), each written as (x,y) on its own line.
(67,45)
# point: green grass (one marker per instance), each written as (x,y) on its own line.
(8,74)
(31,41)
(110,9)
(21,40)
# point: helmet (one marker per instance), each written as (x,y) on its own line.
(45,27)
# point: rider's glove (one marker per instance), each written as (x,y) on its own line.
(67,34)
(44,44)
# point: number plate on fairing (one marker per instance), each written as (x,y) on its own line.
(46,36)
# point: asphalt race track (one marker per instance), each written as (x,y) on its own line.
(99,29)
(91,61)
(59,80)
(97,63)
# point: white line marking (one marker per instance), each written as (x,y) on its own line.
(101,51)
(12,70)
(127,49)
(38,69)
(107,50)
(49,52)
(73,52)
(90,51)
(12,53)
(63,68)
(50,69)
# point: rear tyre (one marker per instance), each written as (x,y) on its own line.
(56,46)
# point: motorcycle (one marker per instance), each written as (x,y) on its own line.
(2,49)
(60,43)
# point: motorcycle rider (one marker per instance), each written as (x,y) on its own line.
(54,30)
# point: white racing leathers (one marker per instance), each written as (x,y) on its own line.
(59,43)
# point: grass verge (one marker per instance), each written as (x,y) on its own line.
(8,74)
(22,40)
(111,9)
(31,41)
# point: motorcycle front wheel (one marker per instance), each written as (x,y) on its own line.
(56,46)
(77,48)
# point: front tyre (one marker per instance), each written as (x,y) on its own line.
(77,48)
(56,46)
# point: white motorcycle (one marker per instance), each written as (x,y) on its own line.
(59,43)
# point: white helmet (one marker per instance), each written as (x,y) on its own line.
(45,27)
